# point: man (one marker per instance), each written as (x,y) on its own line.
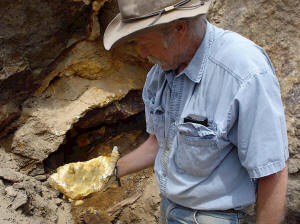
(213,111)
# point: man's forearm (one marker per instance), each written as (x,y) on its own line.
(140,158)
(271,197)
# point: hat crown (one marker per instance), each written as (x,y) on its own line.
(136,8)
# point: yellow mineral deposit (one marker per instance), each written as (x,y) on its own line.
(78,180)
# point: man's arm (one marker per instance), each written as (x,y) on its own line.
(140,158)
(271,197)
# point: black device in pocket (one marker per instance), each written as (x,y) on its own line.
(203,121)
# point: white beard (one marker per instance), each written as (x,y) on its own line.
(164,65)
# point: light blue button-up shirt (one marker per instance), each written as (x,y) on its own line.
(219,123)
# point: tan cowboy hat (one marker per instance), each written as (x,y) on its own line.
(138,15)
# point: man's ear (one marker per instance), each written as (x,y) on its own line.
(181,27)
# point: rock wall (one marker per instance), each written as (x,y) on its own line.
(32,35)
(56,83)
(62,94)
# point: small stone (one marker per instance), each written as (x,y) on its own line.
(2,187)
(19,185)
(41,177)
(10,191)
(57,133)
(78,202)
(1,184)
(294,165)
(39,170)
(11,175)
(56,194)
(20,200)
(58,201)
(297,112)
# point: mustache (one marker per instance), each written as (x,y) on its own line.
(164,65)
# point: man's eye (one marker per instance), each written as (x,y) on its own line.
(132,42)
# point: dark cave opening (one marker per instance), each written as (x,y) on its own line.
(97,127)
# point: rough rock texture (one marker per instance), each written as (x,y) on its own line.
(82,78)
(54,72)
(47,118)
(27,200)
(146,209)
(80,179)
(61,94)
(32,35)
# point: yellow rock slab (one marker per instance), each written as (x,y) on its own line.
(78,180)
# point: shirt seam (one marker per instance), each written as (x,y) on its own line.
(247,77)
(251,76)
(232,73)
(207,49)
(266,169)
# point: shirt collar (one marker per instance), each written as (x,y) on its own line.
(195,68)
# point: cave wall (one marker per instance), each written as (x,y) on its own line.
(54,72)
(81,76)
(32,35)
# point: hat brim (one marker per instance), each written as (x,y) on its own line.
(118,30)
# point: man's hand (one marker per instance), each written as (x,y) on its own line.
(140,158)
(271,197)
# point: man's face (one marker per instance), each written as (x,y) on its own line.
(153,47)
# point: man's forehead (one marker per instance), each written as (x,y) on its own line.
(152,32)
(150,35)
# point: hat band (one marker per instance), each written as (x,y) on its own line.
(158,13)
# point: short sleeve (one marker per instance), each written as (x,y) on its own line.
(152,83)
(260,130)
(149,122)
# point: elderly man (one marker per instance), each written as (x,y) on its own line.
(213,110)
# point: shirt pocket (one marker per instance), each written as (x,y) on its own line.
(158,118)
(197,149)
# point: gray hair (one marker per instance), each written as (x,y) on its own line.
(194,24)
